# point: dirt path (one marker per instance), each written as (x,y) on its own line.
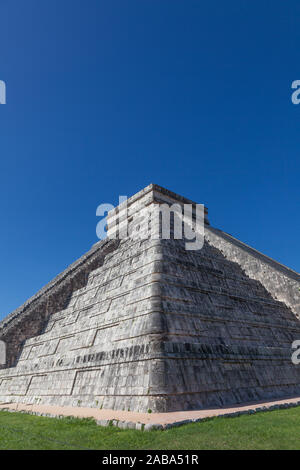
(158,418)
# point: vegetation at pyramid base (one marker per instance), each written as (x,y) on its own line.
(278,429)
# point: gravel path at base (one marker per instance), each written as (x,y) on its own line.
(159,418)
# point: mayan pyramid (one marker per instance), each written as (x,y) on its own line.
(144,324)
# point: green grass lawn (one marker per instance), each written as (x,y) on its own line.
(278,429)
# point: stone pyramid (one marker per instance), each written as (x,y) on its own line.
(143,324)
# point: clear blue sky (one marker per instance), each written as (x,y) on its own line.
(104,97)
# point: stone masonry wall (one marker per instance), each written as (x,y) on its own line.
(31,318)
(147,325)
(281,282)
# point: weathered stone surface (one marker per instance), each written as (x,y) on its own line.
(145,325)
(152,427)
